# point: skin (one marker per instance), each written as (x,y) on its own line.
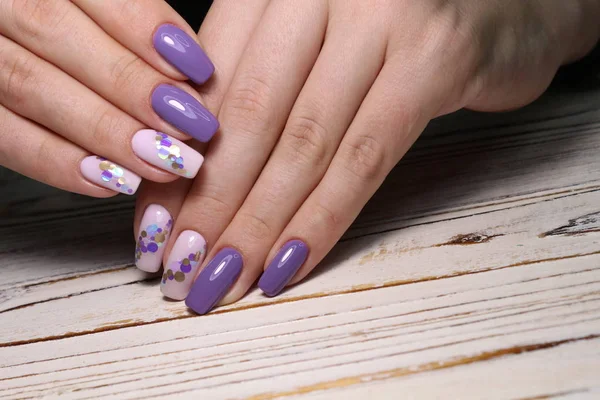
(76,79)
(318,100)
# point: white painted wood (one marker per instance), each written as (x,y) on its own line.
(473,273)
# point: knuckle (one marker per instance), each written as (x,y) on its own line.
(38,18)
(255,228)
(249,106)
(326,219)
(125,71)
(209,205)
(105,127)
(307,139)
(45,156)
(365,157)
(18,76)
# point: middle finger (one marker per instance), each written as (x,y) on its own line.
(252,117)
(345,70)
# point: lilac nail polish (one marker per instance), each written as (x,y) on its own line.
(182,51)
(215,280)
(283,267)
(184,112)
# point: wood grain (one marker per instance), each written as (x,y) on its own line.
(473,273)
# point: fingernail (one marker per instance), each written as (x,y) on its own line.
(153,235)
(283,267)
(182,52)
(167,153)
(181,268)
(184,112)
(215,280)
(110,175)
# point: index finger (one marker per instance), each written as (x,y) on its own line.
(156,33)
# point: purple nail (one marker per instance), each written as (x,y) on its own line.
(184,112)
(182,52)
(283,267)
(215,280)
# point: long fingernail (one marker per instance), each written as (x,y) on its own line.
(110,175)
(181,268)
(153,235)
(182,51)
(215,280)
(184,112)
(283,267)
(167,153)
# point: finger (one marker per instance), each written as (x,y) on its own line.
(155,32)
(157,208)
(40,92)
(225,32)
(227,40)
(253,114)
(62,34)
(345,70)
(394,113)
(33,151)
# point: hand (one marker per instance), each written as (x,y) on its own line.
(87,76)
(318,104)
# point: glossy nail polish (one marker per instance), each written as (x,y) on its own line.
(215,280)
(110,175)
(184,112)
(283,267)
(167,153)
(153,235)
(186,256)
(182,51)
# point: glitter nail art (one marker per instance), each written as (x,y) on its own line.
(179,270)
(152,238)
(112,173)
(170,153)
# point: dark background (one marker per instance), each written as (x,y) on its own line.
(192,10)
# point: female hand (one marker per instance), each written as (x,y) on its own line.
(87,76)
(319,104)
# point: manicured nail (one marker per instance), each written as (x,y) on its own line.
(215,280)
(283,267)
(184,112)
(110,175)
(167,153)
(182,52)
(181,268)
(153,235)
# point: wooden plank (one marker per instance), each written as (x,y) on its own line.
(421,327)
(513,237)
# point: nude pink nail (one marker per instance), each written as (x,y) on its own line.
(182,266)
(153,235)
(166,152)
(109,175)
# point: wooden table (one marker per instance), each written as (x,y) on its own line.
(473,273)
